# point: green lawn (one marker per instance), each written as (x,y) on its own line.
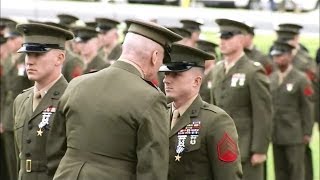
(263,42)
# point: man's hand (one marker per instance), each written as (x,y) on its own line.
(257,159)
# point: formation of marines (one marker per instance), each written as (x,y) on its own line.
(80,102)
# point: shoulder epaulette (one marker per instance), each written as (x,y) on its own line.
(25,90)
(209,107)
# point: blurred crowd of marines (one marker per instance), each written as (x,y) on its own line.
(272,98)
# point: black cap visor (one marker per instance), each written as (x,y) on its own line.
(228,34)
(177,67)
(38,48)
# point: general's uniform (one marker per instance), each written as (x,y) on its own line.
(123,136)
(245,95)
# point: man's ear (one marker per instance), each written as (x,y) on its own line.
(60,58)
(198,81)
(154,57)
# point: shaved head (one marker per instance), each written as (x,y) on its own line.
(144,52)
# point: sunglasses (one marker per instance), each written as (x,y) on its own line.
(229,34)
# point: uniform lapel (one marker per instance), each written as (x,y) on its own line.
(219,75)
(287,78)
(54,93)
(275,80)
(237,66)
(28,103)
(185,119)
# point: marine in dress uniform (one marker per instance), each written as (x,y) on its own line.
(254,53)
(67,19)
(122,136)
(73,66)
(194,27)
(88,40)
(303,62)
(203,138)
(185,33)
(241,88)
(34,108)
(206,86)
(186,40)
(109,38)
(293,27)
(292,121)
(15,80)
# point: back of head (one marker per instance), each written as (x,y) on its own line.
(154,32)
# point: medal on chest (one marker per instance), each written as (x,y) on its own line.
(289,87)
(44,124)
(191,130)
(238,78)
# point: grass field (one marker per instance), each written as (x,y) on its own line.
(263,42)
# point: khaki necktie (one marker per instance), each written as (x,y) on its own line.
(175,116)
(280,79)
(36,100)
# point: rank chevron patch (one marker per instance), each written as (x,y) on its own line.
(227,149)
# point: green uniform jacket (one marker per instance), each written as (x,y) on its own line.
(30,146)
(245,95)
(206,88)
(303,62)
(115,52)
(95,65)
(72,66)
(213,154)
(15,81)
(293,108)
(116,128)
(256,55)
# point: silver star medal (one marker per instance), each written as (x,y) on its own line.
(44,122)
(178,150)
(180,146)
